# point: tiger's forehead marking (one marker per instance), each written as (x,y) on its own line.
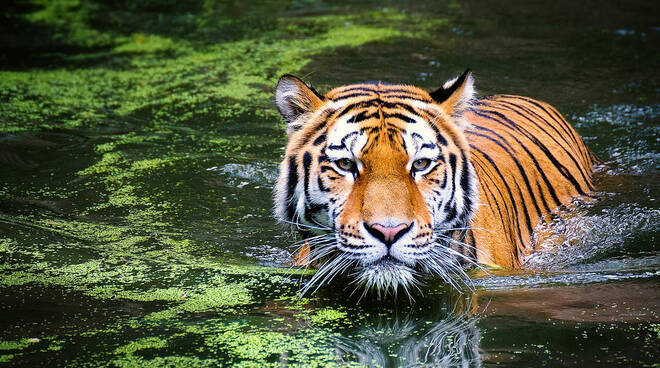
(376,109)
(379,90)
(361,115)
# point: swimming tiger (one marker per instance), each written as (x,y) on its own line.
(400,183)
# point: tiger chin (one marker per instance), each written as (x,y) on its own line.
(389,183)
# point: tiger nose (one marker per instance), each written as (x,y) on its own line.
(387,234)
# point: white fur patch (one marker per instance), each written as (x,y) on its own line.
(464,101)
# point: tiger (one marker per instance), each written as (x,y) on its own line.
(390,183)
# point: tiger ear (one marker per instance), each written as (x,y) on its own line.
(456,95)
(294,98)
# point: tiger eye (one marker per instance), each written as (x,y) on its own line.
(421,164)
(346,164)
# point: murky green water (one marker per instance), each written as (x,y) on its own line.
(139,145)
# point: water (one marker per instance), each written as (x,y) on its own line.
(139,144)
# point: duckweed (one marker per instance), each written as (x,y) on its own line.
(123,242)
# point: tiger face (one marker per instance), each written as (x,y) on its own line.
(381,173)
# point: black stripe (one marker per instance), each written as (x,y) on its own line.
(441,139)
(465,183)
(451,215)
(348,108)
(325,168)
(307,162)
(576,137)
(433,169)
(528,221)
(559,119)
(320,139)
(360,117)
(404,118)
(292,182)
(412,110)
(560,122)
(541,172)
(505,146)
(551,136)
(322,123)
(399,90)
(508,223)
(343,140)
(508,189)
(438,136)
(393,130)
(469,238)
(452,165)
(507,122)
(342,145)
(545,204)
(530,111)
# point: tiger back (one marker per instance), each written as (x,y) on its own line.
(529,161)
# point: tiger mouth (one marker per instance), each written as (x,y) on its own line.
(387,262)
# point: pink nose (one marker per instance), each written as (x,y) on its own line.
(387,234)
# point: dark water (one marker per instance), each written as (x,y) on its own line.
(139,145)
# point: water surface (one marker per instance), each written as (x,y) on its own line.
(139,145)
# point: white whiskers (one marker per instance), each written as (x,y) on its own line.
(387,276)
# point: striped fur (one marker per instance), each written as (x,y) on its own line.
(466,179)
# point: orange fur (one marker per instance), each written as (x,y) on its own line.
(528,162)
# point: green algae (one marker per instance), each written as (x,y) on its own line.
(6,245)
(225,75)
(145,343)
(158,104)
(214,296)
(327,316)
(165,361)
(15,345)
(245,347)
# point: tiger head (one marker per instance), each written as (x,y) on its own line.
(382,172)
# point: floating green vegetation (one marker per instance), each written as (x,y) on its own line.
(159,95)
(155,107)
(328,316)
(121,244)
(15,345)
(193,82)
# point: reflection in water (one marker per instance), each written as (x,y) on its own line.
(136,166)
(438,331)
(452,330)
(451,342)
